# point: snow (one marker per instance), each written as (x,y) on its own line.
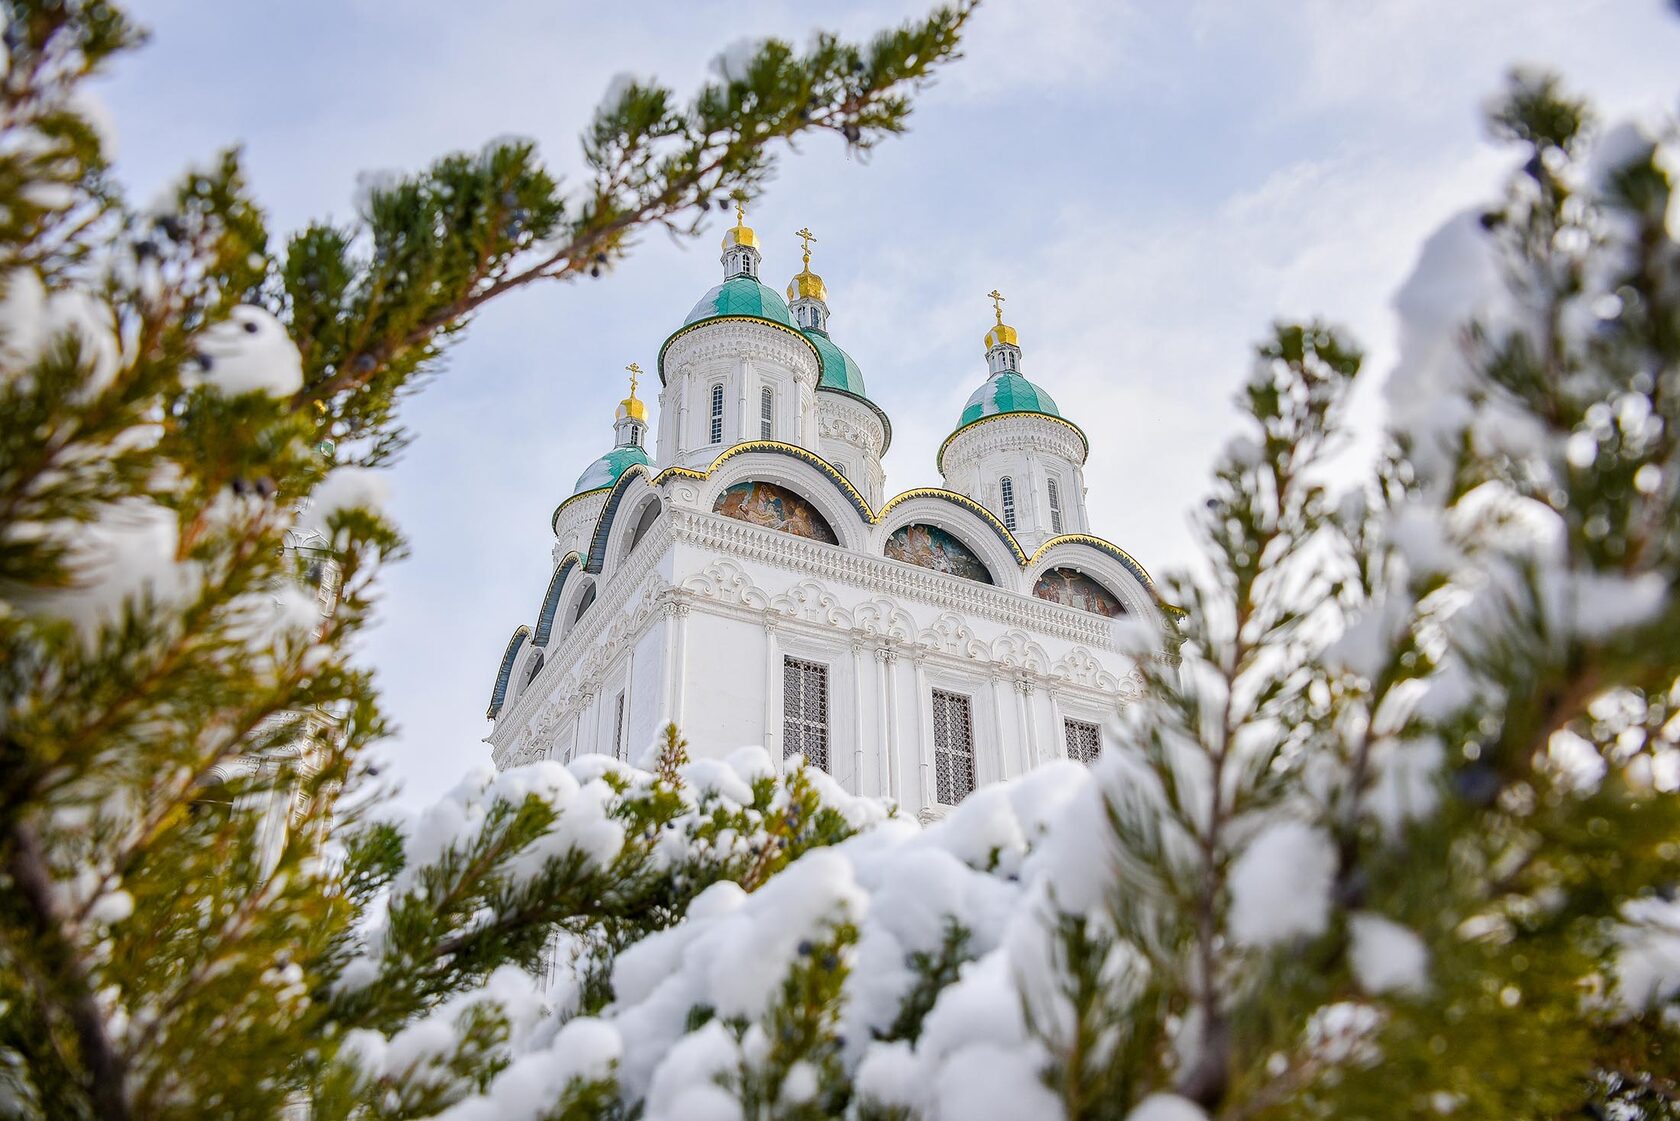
(1647,968)
(345,488)
(1166,1107)
(1457,278)
(249,352)
(33,319)
(733,62)
(994,1083)
(1387,957)
(1280,885)
(127,551)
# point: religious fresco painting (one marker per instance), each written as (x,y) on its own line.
(1073,588)
(774,507)
(929,546)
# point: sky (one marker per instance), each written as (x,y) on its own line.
(1150,184)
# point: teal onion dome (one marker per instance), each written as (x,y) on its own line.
(839,371)
(741,295)
(1007,392)
(604,472)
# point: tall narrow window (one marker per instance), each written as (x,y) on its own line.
(766,414)
(717,414)
(1006,490)
(805,710)
(1055,507)
(1084,741)
(953,747)
(618,731)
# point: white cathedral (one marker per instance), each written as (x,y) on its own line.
(752,583)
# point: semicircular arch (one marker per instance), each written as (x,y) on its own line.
(1114,575)
(504,673)
(971,531)
(807,475)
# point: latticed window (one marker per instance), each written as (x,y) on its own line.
(717,414)
(766,414)
(619,751)
(1055,507)
(1006,489)
(953,746)
(805,710)
(1084,741)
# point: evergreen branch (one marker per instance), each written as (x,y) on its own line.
(66,976)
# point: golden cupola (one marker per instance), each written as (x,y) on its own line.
(807,285)
(1001,334)
(740,247)
(632,407)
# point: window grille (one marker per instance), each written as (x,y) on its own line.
(953,747)
(618,731)
(1055,507)
(766,413)
(1084,741)
(805,710)
(717,414)
(1007,489)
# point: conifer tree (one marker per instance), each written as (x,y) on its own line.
(190,412)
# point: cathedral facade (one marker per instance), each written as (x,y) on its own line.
(752,582)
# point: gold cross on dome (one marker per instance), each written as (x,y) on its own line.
(997,303)
(740,214)
(635,372)
(806,237)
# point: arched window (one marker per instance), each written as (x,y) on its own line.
(1055,507)
(717,413)
(635,435)
(1006,489)
(766,414)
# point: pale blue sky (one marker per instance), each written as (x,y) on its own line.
(1149,183)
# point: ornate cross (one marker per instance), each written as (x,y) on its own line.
(806,237)
(740,214)
(635,372)
(997,303)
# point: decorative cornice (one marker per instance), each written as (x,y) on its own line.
(939,459)
(879,413)
(683,332)
(948,640)
(953,593)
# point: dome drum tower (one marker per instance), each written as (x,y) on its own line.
(1014,452)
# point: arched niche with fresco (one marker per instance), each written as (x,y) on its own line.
(928,546)
(765,504)
(1072,588)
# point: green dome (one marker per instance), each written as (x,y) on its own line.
(741,295)
(604,472)
(1007,392)
(838,369)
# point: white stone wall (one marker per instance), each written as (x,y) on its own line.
(852,437)
(745,357)
(1031,450)
(693,626)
